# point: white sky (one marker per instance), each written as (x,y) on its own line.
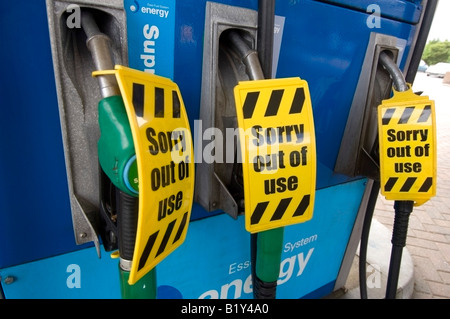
(440,28)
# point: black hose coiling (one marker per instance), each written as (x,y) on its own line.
(127,218)
(402,211)
(263,289)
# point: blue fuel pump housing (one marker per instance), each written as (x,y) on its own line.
(322,42)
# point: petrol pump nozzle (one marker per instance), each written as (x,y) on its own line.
(266,246)
(403,208)
(403,113)
(112,121)
(116,156)
(115,147)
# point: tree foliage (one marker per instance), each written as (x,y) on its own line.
(436,51)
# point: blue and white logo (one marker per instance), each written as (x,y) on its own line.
(134,7)
(151,35)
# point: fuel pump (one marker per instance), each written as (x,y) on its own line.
(360,153)
(324,42)
(266,246)
(276,146)
(146,171)
(402,150)
(406,126)
(117,157)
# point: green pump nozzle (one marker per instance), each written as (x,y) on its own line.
(115,147)
(117,159)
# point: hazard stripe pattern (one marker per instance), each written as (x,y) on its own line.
(149,247)
(408,184)
(280,210)
(138,99)
(139,103)
(274,103)
(406,115)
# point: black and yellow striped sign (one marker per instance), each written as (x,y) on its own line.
(278,150)
(407,139)
(164,155)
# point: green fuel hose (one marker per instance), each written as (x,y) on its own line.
(267,249)
(145,288)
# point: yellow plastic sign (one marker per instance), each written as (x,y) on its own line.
(164,155)
(277,139)
(407,139)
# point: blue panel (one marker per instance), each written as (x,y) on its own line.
(214,260)
(79,274)
(326,45)
(189,51)
(402,10)
(35,217)
(217,252)
(322,43)
(158,61)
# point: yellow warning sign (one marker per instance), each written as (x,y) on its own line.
(164,153)
(278,151)
(407,139)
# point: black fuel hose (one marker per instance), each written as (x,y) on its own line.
(395,73)
(403,209)
(247,55)
(365,238)
(266,23)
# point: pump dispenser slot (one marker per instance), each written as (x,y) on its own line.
(358,152)
(78,97)
(217,185)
